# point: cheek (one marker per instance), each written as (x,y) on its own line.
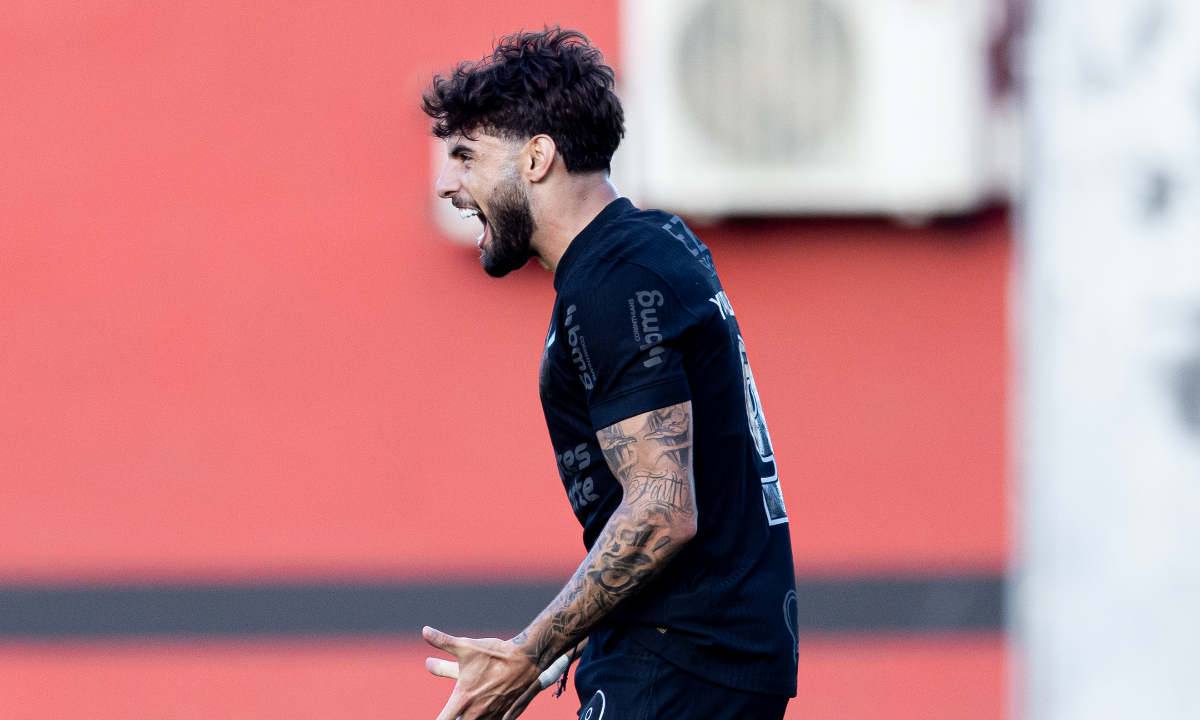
(475,185)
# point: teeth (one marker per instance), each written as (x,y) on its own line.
(465,213)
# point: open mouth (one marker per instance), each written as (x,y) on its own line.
(467,213)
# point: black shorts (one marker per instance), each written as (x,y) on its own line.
(618,679)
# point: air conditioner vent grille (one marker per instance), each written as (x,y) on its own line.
(769,81)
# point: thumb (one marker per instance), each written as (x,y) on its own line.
(441,640)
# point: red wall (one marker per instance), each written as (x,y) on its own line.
(864,680)
(232,344)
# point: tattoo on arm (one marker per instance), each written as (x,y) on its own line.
(651,456)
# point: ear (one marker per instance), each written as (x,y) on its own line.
(537,157)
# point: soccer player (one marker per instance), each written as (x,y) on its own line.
(686,597)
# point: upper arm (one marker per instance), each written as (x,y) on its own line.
(623,331)
(651,456)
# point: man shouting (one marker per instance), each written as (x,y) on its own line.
(686,599)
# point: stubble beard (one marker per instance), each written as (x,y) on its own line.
(511,223)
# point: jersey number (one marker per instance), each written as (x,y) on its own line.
(772,495)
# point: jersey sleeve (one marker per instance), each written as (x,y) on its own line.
(624,329)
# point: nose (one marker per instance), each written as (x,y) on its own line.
(448,184)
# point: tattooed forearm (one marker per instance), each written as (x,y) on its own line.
(651,456)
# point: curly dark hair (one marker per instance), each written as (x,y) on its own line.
(551,82)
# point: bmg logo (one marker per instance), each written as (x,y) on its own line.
(649,301)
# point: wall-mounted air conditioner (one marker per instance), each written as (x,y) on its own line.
(740,107)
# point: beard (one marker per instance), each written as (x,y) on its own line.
(511,223)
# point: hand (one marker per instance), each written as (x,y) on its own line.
(496,679)
(449,669)
(550,676)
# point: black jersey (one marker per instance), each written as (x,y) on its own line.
(640,323)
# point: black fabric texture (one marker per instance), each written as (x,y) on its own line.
(640,323)
(618,679)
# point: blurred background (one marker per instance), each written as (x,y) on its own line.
(263,416)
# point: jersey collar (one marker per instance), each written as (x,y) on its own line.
(585,236)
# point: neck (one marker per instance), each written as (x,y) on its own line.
(565,210)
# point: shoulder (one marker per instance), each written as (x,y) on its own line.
(639,248)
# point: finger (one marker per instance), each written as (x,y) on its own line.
(523,702)
(551,674)
(454,707)
(579,648)
(441,640)
(442,668)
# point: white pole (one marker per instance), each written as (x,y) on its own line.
(1108,582)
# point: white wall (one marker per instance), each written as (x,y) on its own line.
(1108,590)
